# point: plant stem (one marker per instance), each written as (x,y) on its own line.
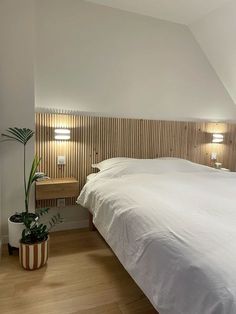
(26,200)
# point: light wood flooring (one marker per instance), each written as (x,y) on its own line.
(82,276)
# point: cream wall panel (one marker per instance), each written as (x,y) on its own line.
(94,139)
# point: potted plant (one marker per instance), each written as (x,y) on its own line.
(15,222)
(33,252)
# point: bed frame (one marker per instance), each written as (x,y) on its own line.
(91,224)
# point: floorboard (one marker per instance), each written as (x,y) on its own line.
(82,276)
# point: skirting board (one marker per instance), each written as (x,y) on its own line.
(68,225)
(4,239)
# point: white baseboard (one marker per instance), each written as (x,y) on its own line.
(68,225)
(4,239)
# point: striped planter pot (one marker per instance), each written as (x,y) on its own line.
(33,256)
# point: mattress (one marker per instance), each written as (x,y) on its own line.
(172,224)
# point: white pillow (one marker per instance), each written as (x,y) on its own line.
(116,167)
(91,176)
(108,163)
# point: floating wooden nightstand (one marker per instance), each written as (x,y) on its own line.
(56,188)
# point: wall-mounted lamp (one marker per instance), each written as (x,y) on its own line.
(62,134)
(217,138)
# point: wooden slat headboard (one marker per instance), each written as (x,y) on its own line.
(97,138)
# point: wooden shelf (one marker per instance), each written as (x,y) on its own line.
(56,188)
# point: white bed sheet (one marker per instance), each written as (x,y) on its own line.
(174,232)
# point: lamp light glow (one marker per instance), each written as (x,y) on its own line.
(62,131)
(217,138)
(62,134)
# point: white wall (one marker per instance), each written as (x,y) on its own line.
(100,60)
(97,59)
(1,121)
(216,35)
(17,107)
(16,97)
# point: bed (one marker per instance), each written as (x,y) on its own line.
(172,224)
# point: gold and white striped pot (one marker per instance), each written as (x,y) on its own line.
(33,256)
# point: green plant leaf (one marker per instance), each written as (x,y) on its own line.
(33,176)
(42,211)
(34,230)
(21,135)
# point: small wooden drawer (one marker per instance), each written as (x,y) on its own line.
(57,188)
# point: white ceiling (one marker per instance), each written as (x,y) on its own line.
(212,22)
(179,11)
(216,35)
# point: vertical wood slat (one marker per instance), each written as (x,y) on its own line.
(97,138)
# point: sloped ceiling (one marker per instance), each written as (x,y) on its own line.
(216,34)
(212,22)
(178,11)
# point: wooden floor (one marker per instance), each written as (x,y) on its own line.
(82,277)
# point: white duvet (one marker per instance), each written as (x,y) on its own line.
(172,224)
